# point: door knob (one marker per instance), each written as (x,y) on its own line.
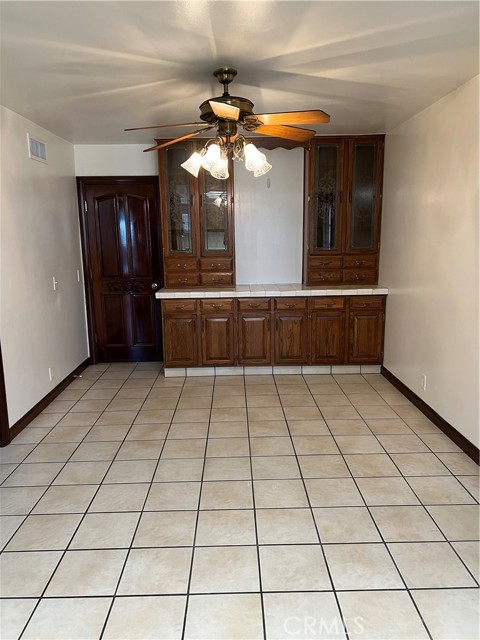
(154,286)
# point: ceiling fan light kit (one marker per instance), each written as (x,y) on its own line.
(227,113)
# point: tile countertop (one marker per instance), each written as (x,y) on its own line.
(271,291)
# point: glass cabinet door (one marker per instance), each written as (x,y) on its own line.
(364,196)
(326,197)
(215,223)
(179,214)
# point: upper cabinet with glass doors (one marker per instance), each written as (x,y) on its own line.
(343,210)
(197,222)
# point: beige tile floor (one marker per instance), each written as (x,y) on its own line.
(248,507)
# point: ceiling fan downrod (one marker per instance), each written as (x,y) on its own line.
(225,75)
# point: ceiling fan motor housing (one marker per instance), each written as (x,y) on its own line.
(225,75)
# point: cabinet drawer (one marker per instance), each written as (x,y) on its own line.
(216,264)
(364,262)
(179,306)
(366,276)
(324,262)
(216,278)
(216,306)
(181,264)
(367,302)
(173,280)
(287,304)
(254,305)
(325,277)
(337,302)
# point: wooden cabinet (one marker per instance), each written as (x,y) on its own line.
(218,332)
(180,333)
(291,331)
(282,331)
(366,329)
(342,224)
(197,221)
(254,331)
(327,331)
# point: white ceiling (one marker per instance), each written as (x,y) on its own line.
(87,70)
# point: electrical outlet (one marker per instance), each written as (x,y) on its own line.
(423,382)
(50,373)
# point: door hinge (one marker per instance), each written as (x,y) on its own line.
(85,206)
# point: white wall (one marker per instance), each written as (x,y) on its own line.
(429,256)
(39,239)
(114,160)
(269,220)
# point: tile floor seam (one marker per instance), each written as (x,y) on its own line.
(312,515)
(114,595)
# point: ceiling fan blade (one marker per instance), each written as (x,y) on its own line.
(290,133)
(188,135)
(224,111)
(292,117)
(171,126)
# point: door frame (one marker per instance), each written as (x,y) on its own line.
(82,183)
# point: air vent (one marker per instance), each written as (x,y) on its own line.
(37,150)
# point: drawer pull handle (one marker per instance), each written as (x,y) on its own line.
(254,306)
(216,306)
(179,307)
(182,280)
(213,265)
(359,263)
(329,304)
(359,276)
(290,305)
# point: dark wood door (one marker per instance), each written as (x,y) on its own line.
(254,343)
(328,337)
(291,337)
(218,344)
(123,267)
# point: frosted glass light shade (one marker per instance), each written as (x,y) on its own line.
(254,159)
(193,164)
(212,157)
(265,168)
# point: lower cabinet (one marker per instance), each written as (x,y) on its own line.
(366,328)
(283,331)
(218,332)
(254,331)
(291,331)
(180,338)
(327,330)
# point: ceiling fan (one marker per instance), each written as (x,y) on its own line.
(226,113)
